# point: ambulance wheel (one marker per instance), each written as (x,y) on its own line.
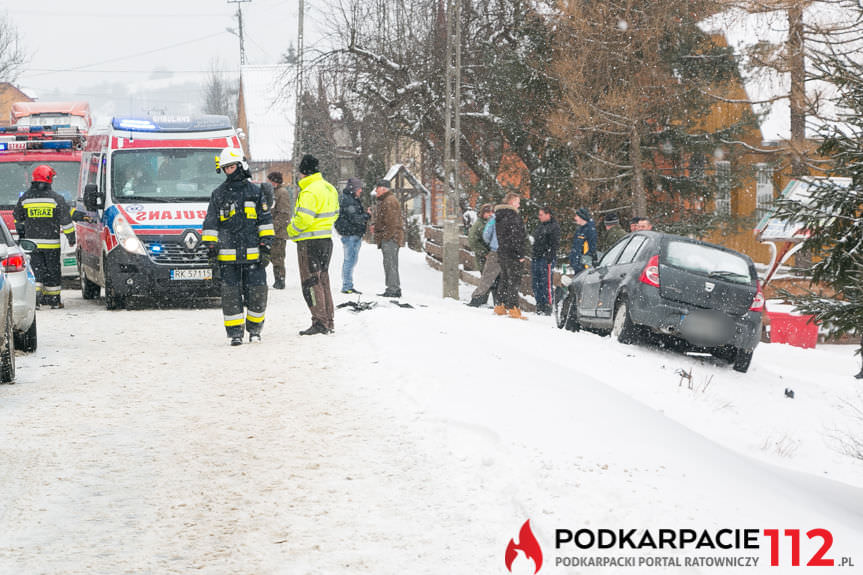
(27,341)
(7,352)
(112,300)
(89,290)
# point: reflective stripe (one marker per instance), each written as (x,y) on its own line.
(232,320)
(53,290)
(327,215)
(210,235)
(255,317)
(46,244)
(69,229)
(230,215)
(227,255)
(39,203)
(317,234)
(307,211)
(266,230)
(298,230)
(251,213)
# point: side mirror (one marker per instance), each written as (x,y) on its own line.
(93,198)
(29,246)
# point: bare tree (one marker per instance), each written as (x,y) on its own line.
(11,52)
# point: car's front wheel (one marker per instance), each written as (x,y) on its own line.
(89,290)
(7,351)
(623,330)
(564,313)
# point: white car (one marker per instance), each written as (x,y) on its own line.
(19,276)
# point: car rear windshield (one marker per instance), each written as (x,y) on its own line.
(708,261)
(15,178)
(164,175)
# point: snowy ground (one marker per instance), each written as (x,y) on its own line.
(410,441)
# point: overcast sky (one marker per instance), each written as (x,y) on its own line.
(78,45)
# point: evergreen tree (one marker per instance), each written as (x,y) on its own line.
(833,212)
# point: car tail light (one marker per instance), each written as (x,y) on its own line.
(650,273)
(758,300)
(14,263)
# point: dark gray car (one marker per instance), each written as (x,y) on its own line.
(694,292)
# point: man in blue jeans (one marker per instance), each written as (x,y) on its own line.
(351,225)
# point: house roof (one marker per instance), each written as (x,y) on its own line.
(270,112)
(743,31)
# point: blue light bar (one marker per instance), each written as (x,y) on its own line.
(3,146)
(205,123)
(56,144)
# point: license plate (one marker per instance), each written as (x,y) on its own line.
(204,274)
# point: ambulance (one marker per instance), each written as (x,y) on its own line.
(146,182)
(51,133)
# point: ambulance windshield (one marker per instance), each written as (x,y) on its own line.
(164,175)
(15,179)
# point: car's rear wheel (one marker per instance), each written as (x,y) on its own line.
(27,341)
(742,359)
(89,290)
(7,351)
(623,330)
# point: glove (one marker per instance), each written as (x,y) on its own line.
(212,255)
(265,256)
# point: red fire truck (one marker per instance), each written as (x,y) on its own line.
(51,133)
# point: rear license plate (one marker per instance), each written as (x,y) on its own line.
(703,326)
(204,274)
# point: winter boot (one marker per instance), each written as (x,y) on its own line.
(515,313)
(254,338)
(500,309)
(279,283)
(478,301)
(237,340)
(315,329)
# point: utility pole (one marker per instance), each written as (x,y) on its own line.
(298,120)
(452,151)
(240,28)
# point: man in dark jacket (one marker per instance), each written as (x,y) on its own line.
(511,237)
(238,232)
(351,225)
(546,240)
(613,231)
(583,252)
(41,214)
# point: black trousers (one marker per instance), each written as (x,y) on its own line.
(509,280)
(244,298)
(46,268)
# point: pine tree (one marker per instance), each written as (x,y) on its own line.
(833,212)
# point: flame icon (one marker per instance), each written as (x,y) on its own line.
(528,545)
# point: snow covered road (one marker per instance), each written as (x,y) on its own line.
(412,440)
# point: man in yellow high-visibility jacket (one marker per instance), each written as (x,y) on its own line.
(311,226)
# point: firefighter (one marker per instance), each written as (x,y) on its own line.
(238,232)
(40,215)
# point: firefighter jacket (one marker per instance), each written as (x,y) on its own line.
(239,222)
(316,210)
(41,214)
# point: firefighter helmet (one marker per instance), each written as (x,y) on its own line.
(230,156)
(44,173)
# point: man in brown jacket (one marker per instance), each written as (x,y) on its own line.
(389,235)
(282,209)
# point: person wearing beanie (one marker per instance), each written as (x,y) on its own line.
(351,225)
(613,231)
(283,206)
(311,228)
(583,252)
(389,236)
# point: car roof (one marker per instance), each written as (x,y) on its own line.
(659,236)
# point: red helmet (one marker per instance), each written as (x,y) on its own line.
(44,173)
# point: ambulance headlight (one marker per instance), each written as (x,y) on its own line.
(126,236)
